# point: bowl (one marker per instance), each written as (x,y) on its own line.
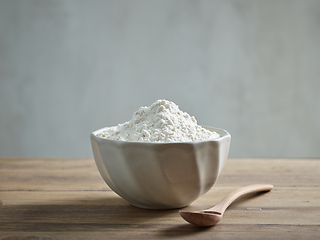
(160,175)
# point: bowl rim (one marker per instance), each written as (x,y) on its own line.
(223,134)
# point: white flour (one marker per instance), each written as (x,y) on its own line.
(161,122)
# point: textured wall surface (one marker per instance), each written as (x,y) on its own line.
(69,67)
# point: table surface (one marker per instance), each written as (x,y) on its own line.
(67,199)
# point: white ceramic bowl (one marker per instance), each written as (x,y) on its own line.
(160,175)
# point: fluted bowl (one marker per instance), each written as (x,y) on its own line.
(160,175)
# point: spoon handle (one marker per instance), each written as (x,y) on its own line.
(222,206)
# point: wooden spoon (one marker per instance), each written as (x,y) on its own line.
(212,216)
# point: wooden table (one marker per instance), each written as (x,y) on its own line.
(45,199)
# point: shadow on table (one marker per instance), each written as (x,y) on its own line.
(97,214)
(183,230)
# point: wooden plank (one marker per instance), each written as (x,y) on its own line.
(50,174)
(245,232)
(67,199)
(280,172)
(82,174)
(299,206)
(169,232)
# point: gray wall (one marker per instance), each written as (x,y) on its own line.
(69,67)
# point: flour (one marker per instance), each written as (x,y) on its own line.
(161,122)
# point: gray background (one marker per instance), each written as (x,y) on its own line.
(69,67)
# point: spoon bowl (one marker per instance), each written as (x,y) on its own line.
(201,218)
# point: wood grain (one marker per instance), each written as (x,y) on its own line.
(67,199)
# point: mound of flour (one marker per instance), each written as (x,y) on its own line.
(161,122)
